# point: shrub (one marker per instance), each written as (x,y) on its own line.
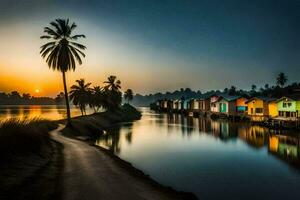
(22,137)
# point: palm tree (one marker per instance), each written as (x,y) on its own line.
(281,79)
(62,50)
(112,93)
(80,94)
(112,83)
(128,95)
(97,98)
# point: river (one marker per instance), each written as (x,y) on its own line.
(214,159)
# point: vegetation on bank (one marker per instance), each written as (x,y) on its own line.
(30,162)
(91,126)
(108,97)
(22,137)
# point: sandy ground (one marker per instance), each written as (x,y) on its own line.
(90,174)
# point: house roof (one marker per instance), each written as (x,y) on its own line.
(290,97)
(229,97)
(266,99)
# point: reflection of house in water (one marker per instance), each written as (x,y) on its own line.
(223,129)
(285,147)
(215,128)
(256,136)
(190,124)
(204,124)
(177,118)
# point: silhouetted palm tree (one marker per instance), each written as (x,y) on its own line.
(97,98)
(112,83)
(80,94)
(128,95)
(62,50)
(112,93)
(281,79)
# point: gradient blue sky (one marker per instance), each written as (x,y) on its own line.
(156,45)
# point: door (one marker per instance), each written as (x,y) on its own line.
(223,107)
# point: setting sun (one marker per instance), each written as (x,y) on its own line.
(37,91)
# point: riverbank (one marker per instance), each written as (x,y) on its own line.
(40,172)
(31,162)
(91,126)
(85,128)
(98,174)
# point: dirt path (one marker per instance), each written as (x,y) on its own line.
(91,174)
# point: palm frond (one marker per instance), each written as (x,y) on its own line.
(51,32)
(74,52)
(45,37)
(75,37)
(80,46)
(45,46)
(57,27)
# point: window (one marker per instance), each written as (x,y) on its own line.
(289,104)
(284,105)
(258,110)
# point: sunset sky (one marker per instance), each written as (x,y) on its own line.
(155,45)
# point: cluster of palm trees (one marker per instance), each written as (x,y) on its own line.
(62,52)
(108,97)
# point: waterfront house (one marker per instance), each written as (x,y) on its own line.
(175,104)
(227,104)
(165,104)
(186,104)
(261,107)
(273,108)
(159,104)
(194,104)
(214,103)
(289,107)
(241,105)
(204,104)
(180,104)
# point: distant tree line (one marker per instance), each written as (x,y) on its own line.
(278,90)
(82,95)
(15,98)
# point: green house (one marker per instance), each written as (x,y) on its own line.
(289,107)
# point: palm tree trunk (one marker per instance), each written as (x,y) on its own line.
(67,100)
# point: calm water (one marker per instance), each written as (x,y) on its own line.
(213,159)
(52,112)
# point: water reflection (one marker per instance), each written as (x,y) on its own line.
(111,138)
(286,147)
(52,112)
(199,155)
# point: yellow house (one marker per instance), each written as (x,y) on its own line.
(261,107)
(273,109)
